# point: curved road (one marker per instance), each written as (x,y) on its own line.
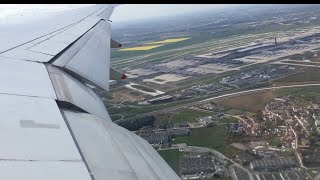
(222,97)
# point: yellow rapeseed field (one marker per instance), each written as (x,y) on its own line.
(153,45)
(169,41)
(143,48)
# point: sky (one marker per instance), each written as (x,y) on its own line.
(122,13)
(129,12)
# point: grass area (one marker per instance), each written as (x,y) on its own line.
(288,153)
(115,117)
(303,91)
(249,102)
(274,141)
(211,137)
(234,112)
(188,115)
(306,55)
(185,115)
(143,88)
(172,157)
(134,111)
(228,120)
(286,91)
(302,62)
(309,74)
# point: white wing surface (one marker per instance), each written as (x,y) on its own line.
(53,125)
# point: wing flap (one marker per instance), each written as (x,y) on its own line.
(131,159)
(89,56)
(71,90)
(100,151)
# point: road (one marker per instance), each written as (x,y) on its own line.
(296,148)
(302,125)
(166,110)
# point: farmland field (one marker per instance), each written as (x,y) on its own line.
(249,102)
(168,41)
(140,48)
(172,157)
(308,75)
(211,137)
(186,115)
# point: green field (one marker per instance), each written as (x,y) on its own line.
(185,115)
(274,141)
(300,57)
(249,102)
(303,91)
(308,75)
(115,117)
(210,137)
(308,55)
(143,88)
(172,157)
(228,120)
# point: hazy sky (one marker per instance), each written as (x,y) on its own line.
(122,13)
(129,12)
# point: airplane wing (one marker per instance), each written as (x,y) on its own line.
(53,126)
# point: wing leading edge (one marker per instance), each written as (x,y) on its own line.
(53,125)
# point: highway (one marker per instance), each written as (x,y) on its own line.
(165,110)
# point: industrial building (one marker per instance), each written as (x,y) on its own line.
(194,164)
(288,175)
(272,164)
(236,127)
(156,137)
